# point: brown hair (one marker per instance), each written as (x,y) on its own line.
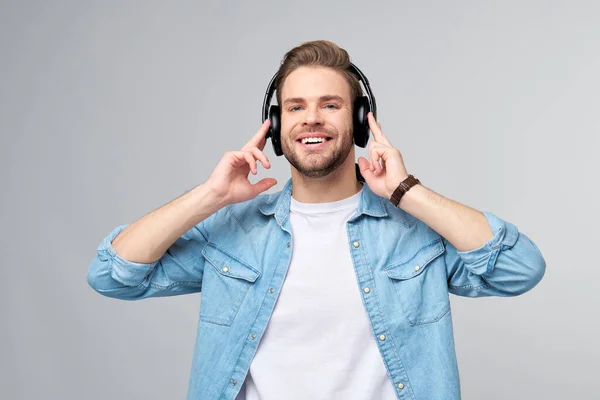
(318,53)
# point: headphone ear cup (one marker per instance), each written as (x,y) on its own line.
(275,129)
(360,121)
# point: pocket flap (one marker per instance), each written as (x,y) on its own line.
(416,264)
(229,265)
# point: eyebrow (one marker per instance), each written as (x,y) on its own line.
(327,97)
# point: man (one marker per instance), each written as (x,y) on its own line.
(329,288)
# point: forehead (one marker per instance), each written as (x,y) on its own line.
(313,82)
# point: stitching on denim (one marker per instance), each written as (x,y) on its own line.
(143,286)
(259,310)
(491,262)
(364,252)
(178,283)
(365,257)
(427,322)
(238,221)
(398,264)
(214,245)
(479,287)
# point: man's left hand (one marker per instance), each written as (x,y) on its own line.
(383,178)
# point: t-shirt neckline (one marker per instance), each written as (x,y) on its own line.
(333,206)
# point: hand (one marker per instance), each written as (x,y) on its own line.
(229,180)
(382,178)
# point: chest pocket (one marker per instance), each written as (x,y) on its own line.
(420,282)
(225,283)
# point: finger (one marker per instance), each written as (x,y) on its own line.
(259,155)
(375,128)
(242,158)
(262,185)
(374,156)
(260,138)
(365,167)
(370,151)
(375,160)
(251,161)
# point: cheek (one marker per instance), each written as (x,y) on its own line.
(342,121)
(287,127)
(285,124)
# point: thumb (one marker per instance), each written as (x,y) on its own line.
(263,184)
(365,167)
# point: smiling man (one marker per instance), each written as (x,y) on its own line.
(317,134)
(336,286)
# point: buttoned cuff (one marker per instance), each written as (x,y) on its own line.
(481,260)
(128,273)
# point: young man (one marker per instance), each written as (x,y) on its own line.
(329,288)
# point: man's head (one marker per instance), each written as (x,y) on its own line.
(316,93)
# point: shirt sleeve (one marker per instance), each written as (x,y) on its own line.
(179,271)
(509,264)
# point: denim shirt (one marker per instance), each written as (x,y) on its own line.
(238,258)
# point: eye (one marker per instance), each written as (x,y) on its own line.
(332,105)
(294,108)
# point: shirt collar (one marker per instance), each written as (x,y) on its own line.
(279,203)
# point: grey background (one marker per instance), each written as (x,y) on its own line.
(110,109)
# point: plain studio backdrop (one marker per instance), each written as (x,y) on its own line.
(110,109)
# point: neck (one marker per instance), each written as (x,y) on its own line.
(338,185)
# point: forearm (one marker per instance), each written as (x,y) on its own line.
(148,238)
(463,226)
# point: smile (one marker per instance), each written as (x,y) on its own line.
(314,143)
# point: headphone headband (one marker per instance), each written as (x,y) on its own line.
(353,68)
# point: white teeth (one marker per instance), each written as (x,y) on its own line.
(312,140)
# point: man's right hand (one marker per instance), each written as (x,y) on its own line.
(229,180)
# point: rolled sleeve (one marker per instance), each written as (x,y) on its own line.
(179,270)
(127,272)
(509,264)
(482,260)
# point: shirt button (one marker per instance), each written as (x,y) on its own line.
(288,244)
(417,267)
(367,290)
(356,244)
(233,382)
(253,336)
(382,337)
(400,385)
(271,290)
(225,269)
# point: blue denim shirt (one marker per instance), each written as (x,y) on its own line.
(238,259)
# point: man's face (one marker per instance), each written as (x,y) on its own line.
(316,103)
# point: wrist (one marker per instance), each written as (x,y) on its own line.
(412,197)
(402,189)
(206,200)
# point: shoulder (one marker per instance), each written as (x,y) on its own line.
(248,214)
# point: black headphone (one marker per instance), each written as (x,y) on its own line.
(362,106)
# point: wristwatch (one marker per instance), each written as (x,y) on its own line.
(403,188)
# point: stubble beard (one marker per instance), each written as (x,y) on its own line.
(319,164)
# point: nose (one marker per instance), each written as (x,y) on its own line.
(313,117)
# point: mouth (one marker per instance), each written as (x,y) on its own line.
(314,143)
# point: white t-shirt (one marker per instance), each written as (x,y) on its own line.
(319,343)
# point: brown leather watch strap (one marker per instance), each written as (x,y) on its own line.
(403,188)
